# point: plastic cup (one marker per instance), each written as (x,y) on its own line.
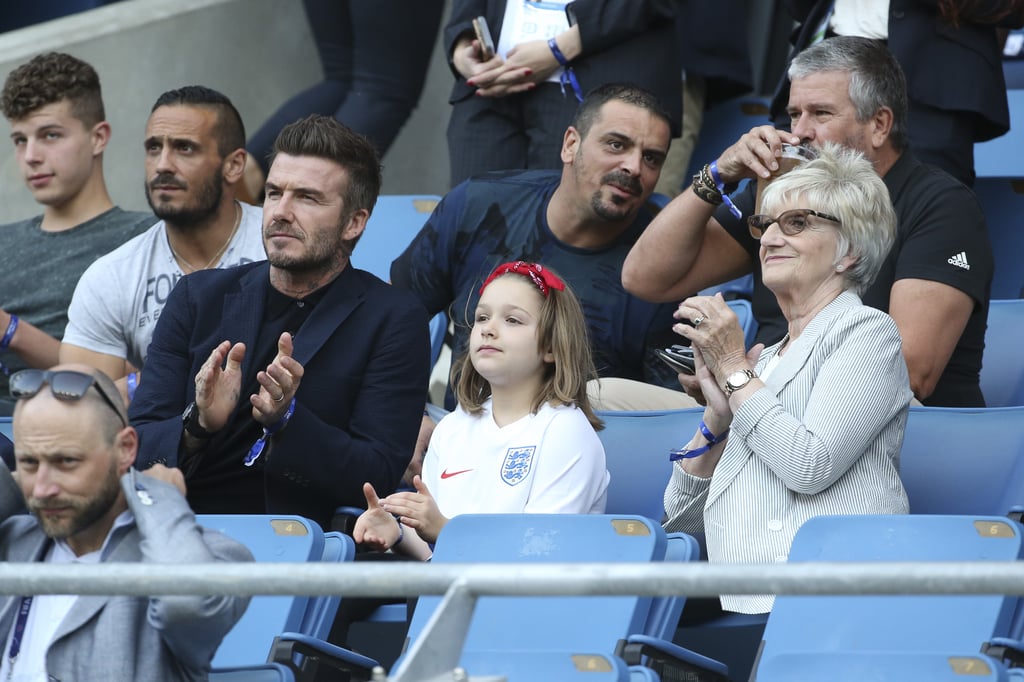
(792,156)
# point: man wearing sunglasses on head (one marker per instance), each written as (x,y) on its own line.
(935,281)
(87,505)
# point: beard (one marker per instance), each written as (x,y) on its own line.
(79,514)
(324,251)
(206,199)
(615,209)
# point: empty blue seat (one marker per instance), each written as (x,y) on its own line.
(395,220)
(925,624)
(276,538)
(1002,368)
(881,666)
(941,477)
(636,447)
(522,637)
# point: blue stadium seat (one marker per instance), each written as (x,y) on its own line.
(636,447)
(520,637)
(1001,157)
(266,672)
(943,478)
(277,538)
(395,220)
(745,314)
(878,666)
(925,624)
(1002,368)
(1002,199)
(7,427)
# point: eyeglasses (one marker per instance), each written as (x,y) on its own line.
(791,222)
(65,384)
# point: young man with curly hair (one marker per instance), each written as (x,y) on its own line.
(54,106)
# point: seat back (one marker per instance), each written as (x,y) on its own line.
(636,448)
(745,315)
(924,623)
(395,220)
(1002,365)
(583,625)
(7,427)
(270,538)
(663,616)
(941,477)
(880,666)
(1002,200)
(319,616)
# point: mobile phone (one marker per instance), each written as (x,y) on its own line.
(679,358)
(483,36)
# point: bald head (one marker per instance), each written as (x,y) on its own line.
(102,401)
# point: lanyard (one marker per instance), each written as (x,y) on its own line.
(19,631)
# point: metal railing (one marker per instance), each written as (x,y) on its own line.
(435,654)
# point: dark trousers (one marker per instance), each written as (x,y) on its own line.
(509,133)
(375,55)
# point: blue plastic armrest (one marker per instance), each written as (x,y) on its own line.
(305,654)
(660,655)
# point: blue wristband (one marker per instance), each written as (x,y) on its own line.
(712,439)
(133,383)
(568,75)
(257,448)
(12,327)
(724,191)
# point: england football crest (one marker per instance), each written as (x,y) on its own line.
(517,464)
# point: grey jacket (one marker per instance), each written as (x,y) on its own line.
(822,437)
(131,638)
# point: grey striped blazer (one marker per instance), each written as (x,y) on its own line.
(822,437)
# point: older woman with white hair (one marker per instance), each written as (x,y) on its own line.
(814,424)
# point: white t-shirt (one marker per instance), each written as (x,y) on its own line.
(544,463)
(525,21)
(120,297)
(865,18)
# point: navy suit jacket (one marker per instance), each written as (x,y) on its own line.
(366,353)
(948,68)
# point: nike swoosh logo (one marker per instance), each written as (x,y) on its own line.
(446,474)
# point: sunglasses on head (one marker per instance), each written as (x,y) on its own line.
(65,384)
(791,222)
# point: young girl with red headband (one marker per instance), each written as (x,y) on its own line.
(523,438)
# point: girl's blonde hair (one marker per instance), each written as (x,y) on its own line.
(562,331)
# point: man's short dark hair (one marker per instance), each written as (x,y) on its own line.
(50,78)
(326,138)
(627,93)
(229,130)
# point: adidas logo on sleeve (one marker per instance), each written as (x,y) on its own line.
(959,260)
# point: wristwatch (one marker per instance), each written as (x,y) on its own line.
(190,418)
(738,380)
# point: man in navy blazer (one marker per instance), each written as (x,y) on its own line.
(283,386)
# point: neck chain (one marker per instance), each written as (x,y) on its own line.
(220,251)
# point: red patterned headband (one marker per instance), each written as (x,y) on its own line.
(544,279)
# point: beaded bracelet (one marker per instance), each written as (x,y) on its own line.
(704,187)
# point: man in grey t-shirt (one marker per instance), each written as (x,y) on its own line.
(55,109)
